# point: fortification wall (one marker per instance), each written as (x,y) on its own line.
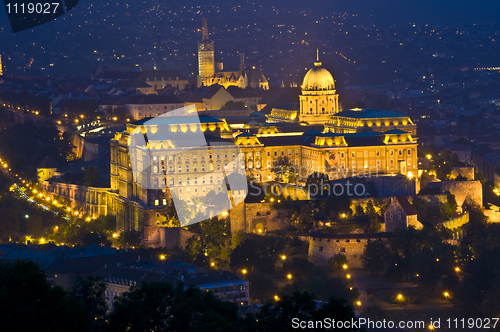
(253,217)
(323,249)
(171,238)
(466,192)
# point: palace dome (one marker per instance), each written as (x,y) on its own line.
(317,79)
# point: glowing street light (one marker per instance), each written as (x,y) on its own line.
(289,276)
(358,303)
(276,298)
(400,297)
(244,271)
(212,264)
(428,156)
(344,266)
(446,294)
(162,257)
(283,257)
(457,269)
(348,276)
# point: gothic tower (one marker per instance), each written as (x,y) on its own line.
(206,61)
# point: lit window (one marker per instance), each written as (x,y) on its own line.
(157,202)
(164,201)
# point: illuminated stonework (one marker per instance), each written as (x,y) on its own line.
(207,75)
(319,100)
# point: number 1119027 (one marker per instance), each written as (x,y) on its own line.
(32,8)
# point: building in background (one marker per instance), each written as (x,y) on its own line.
(208,75)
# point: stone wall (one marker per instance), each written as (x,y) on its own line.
(171,238)
(323,247)
(466,192)
(258,218)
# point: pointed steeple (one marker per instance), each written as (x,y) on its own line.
(242,62)
(205,29)
(317,63)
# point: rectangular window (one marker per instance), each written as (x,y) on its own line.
(157,202)
(164,201)
(366,153)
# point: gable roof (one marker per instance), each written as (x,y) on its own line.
(48,162)
(407,207)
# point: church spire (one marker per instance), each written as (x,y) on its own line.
(205,29)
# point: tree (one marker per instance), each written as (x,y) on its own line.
(336,263)
(250,255)
(261,287)
(9,223)
(35,226)
(158,306)
(213,245)
(29,303)
(285,171)
(91,291)
(277,316)
(374,256)
(130,239)
(232,105)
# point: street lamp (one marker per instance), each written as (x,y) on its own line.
(276,298)
(446,294)
(289,276)
(244,271)
(348,276)
(283,257)
(457,269)
(344,266)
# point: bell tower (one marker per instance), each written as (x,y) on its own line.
(206,60)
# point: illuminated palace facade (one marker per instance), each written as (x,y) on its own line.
(317,136)
(208,75)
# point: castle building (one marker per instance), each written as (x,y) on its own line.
(207,74)
(313,136)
